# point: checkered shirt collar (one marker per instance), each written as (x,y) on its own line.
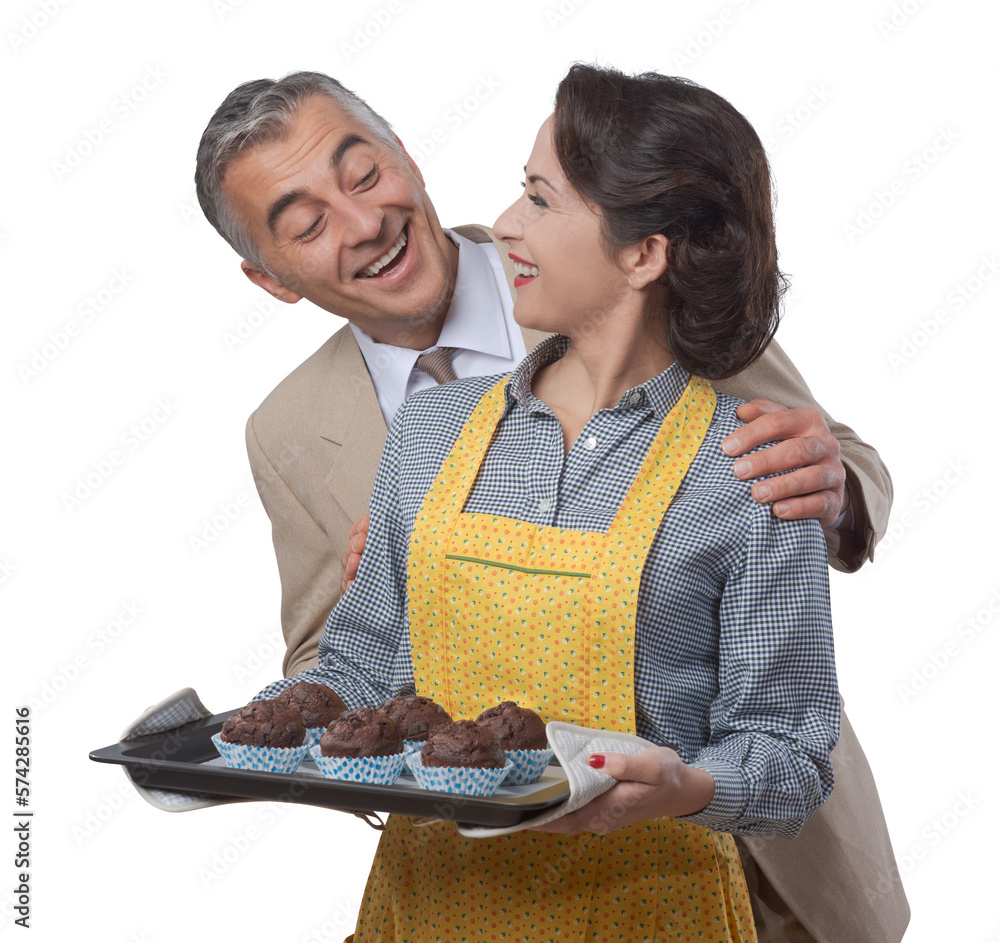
(658,394)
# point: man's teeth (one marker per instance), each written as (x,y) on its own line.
(525,271)
(380,264)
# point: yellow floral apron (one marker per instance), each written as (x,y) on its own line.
(502,609)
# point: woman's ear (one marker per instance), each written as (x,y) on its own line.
(646,261)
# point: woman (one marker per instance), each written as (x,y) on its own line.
(520,546)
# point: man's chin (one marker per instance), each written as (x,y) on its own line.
(406,320)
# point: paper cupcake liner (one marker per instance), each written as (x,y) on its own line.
(312,736)
(409,746)
(528,766)
(266,759)
(457,779)
(376,770)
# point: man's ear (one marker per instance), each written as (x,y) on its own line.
(269,283)
(410,161)
(647,261)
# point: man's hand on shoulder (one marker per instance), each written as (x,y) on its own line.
(803,442)
(356,538)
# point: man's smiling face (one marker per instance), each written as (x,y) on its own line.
(342,218)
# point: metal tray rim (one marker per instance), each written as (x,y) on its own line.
(150,758)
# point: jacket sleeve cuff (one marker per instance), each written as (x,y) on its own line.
(850,540)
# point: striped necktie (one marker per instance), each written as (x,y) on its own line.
(437,364)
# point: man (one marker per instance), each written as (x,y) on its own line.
(321,201)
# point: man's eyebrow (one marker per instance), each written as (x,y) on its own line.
(535,178)
(293,196)
(280,205)
(343,147)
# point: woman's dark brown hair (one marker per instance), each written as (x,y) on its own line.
(658,154)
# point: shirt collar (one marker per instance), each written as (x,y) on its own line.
(658,394)
(475,318)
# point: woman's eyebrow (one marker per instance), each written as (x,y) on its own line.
(538,178)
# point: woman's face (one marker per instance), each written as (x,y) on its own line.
(566,283)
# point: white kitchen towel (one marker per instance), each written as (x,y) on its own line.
(573,746)
(179,708)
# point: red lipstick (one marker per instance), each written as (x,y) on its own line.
(521,280)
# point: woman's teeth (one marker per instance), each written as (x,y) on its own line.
(380,264)
(525,271)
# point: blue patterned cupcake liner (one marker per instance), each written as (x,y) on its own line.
(528,766)
(457,779)
(376,770)
(265,759)
(409,746)
(312,736)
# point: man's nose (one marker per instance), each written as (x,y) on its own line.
(360,222)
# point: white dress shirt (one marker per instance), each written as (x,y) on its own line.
(480,325)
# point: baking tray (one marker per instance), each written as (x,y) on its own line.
(186,759)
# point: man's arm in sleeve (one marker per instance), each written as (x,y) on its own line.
(309,566)
(869,488)
(364,654)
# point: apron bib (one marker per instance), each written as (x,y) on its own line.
(501,609)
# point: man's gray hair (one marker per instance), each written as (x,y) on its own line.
(256,113)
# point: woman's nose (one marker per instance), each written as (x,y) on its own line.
(508,224)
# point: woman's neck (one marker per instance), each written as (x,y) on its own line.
(599,366)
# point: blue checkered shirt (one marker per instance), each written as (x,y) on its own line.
(734,661)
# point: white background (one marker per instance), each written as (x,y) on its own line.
(853,98)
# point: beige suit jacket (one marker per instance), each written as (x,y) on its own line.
(314,446)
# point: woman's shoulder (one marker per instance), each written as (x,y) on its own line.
(723,503)
(724,420)
(725,411)
(713,468)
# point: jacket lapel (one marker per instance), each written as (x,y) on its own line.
(353,422)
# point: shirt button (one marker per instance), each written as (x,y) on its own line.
(634,399)
(544,505)
(590,444)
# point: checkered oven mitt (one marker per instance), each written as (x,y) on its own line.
(573,747)
(180,708)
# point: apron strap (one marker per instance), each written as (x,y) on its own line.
(665,465)
(458,473)
(622,553)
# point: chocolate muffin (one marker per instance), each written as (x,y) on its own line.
(265,724)
(364,732)
(319,704)
(517,728)
(414,715)
(463,743)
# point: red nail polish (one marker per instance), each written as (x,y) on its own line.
(597,761)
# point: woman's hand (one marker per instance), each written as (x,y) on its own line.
(651,783)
